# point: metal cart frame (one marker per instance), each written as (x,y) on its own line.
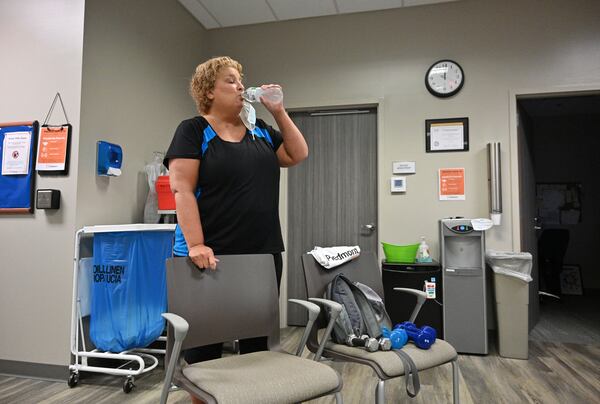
(79,361)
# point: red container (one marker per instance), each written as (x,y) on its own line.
(166,199)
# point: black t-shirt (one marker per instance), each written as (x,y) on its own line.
(238,187)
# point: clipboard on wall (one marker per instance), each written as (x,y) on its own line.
(54,144)
(18,141)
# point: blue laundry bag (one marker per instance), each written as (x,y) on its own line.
(129,288)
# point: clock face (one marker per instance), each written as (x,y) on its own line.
(444,78)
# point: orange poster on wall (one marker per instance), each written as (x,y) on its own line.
(452,184)
(53,145)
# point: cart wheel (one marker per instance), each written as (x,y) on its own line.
(73,380)
(128,385)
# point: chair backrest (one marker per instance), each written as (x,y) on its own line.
(364,269)
(238,300)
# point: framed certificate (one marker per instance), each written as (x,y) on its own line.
(446,135)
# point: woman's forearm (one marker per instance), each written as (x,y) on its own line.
(293,141)
(188,218)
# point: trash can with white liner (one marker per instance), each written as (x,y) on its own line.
(512,274)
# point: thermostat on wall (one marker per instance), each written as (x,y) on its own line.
(398,184)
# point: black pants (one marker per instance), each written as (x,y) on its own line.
(214,351)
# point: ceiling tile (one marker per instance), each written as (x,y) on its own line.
(357,6)
(290,9)
(200,13)
(231,13)
(408,3)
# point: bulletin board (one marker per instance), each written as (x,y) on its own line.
(559,203)
(16,190)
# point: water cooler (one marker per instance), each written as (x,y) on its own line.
(463,269)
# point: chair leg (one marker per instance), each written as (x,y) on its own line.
(338,398)
(455,395)
(380,392)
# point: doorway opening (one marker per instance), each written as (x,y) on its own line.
(559,143)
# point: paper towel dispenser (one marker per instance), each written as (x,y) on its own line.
(109,159)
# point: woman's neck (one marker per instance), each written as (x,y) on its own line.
(229,128)
(223,118)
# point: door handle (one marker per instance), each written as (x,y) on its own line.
(369,227)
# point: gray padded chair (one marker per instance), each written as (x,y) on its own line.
(387,365)
(238,300)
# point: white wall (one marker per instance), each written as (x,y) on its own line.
(39,58)
(349,59)
(137,61)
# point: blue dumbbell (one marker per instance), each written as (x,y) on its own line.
(398,337)
(425,328)
(422,337)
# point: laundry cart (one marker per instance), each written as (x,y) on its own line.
(121,255)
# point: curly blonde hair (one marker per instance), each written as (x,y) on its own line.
(204,78)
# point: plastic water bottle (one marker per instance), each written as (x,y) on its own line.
(253,94)
(423,252)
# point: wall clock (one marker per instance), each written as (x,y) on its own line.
(444,78)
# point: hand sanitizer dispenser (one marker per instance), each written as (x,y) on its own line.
(109,159)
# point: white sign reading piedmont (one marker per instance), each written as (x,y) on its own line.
(330,257)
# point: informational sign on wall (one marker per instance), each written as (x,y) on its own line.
(452,184)
(52,148)
(15,153)
(404,167)
(54,144)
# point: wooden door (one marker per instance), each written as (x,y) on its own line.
(332,196)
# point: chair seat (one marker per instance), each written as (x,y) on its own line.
(389,362)
(257,378)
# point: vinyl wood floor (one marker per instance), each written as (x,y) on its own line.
(564,367)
